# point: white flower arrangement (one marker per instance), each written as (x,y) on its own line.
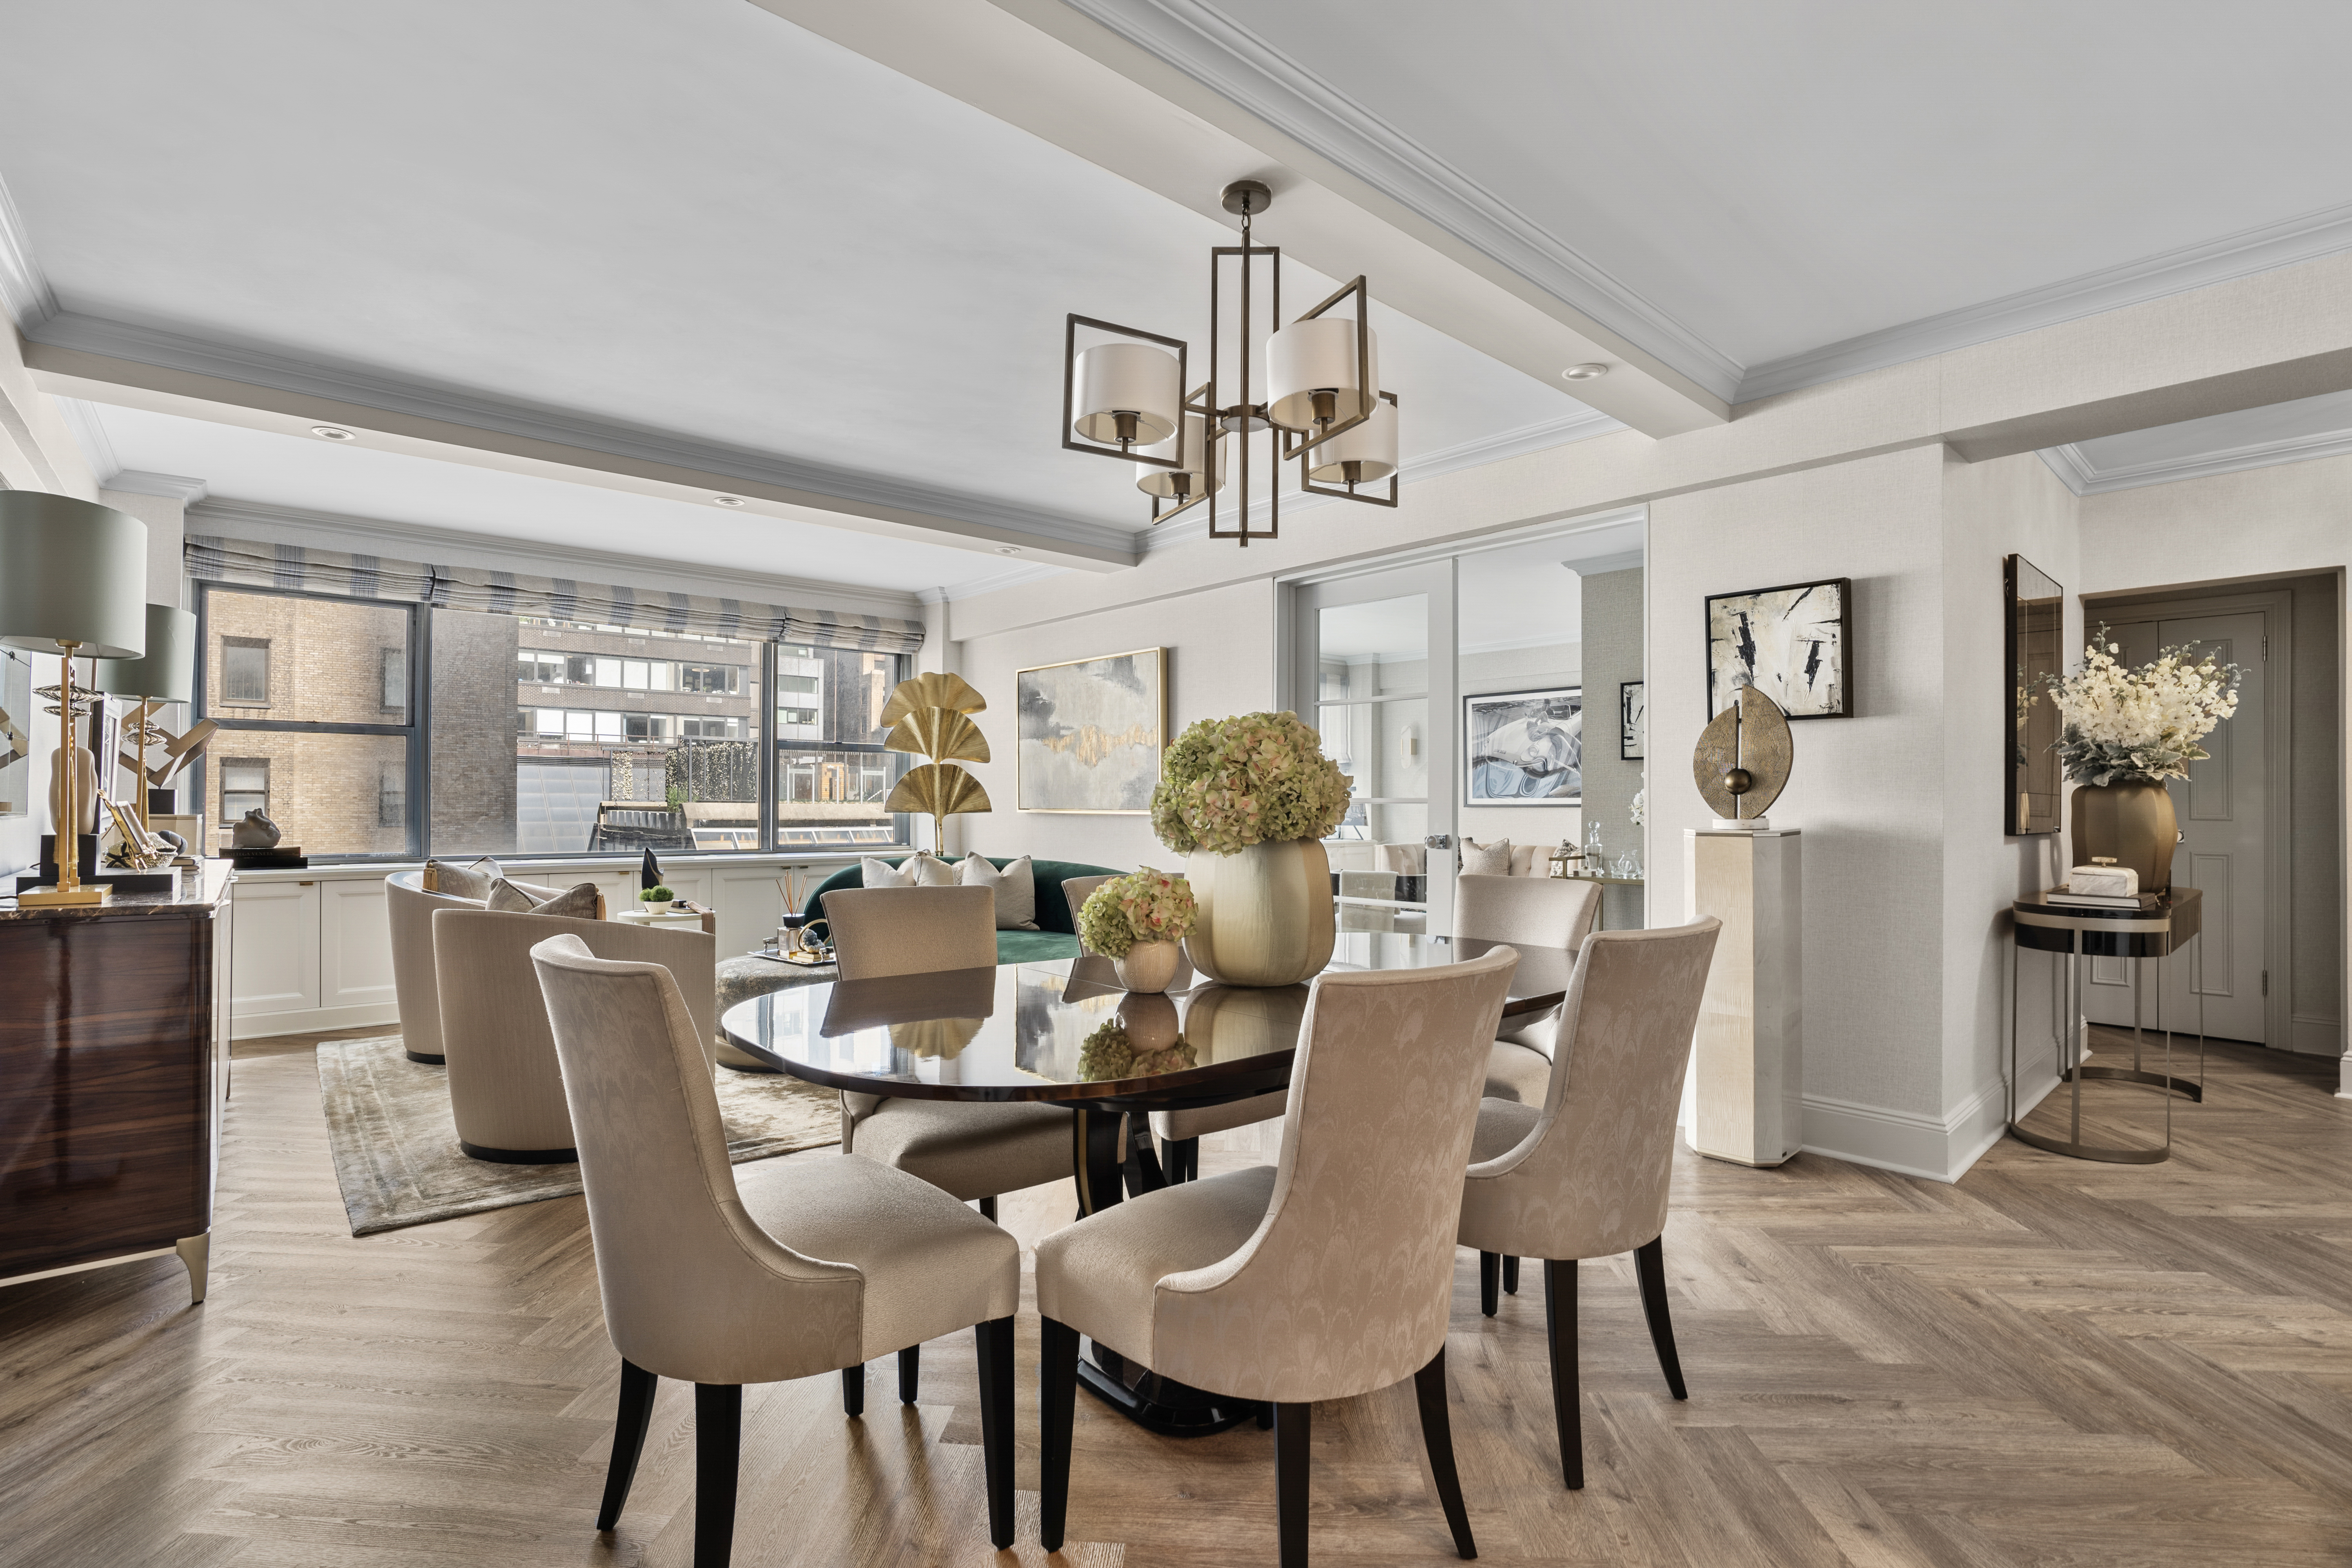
(1640,807)
(2140,726)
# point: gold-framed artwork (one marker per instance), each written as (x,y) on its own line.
(1087,734)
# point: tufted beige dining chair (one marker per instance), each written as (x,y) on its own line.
(1585,1172)
(1323,1277)
(506,1090)
(409,908)
(801,1270)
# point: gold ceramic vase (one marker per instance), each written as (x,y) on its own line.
(2132,823)
(1265,915)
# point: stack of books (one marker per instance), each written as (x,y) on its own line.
(2061,895)
(277,857)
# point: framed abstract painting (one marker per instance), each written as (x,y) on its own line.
(1088,734)
(1794,644)
(1632,721)
(1525,748)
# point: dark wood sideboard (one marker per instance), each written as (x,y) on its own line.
(114,1027)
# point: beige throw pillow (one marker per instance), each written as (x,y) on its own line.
(578,902)
(920,870)
(460,880)
(1486,860)
(1016,887)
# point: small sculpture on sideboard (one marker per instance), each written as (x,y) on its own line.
(254,831)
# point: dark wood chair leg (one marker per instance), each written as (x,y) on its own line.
(853,1390)
(988,1210)
(1183,1159)
(1650,1269)
(717,1453)
(996,1338)
(1292,1425)
(637,1387)
(1437,1436)
(1057,1411)
(1490,1276)
(1265,1418)
(1510,1274)
(1560,1327)
(910,1369)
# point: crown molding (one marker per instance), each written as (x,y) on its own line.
(370,536)
(1471,454)
(2240,254)
(1601,566)
(1242,68)
(140,483)
(368,389)
(89,433)
(973,587)
(2074,468)
(24,292)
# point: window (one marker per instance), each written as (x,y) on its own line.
(797,716)
(832,777)
(245,786)
(396,678)
(796,685)
(724,678)
(712,728)
(392,794)
(245,670)
(531,667)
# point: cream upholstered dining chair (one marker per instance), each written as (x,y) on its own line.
(800,1269)
(1585,1172)
(1323,1277)
(506,1090)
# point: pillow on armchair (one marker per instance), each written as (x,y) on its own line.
(453,880)
(577,902)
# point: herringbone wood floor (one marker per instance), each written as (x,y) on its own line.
(2052,1363)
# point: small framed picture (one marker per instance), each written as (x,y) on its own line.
(1633,721)
(1525,748)
(1792,643)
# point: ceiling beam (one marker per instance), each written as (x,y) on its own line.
(1064,78)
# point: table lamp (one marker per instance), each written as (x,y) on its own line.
(167,674)
(73,581)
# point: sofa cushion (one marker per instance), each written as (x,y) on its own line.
(1035,946)
(576,903)
(920,870)
(1054,913)
(1014,885)
(1485,859)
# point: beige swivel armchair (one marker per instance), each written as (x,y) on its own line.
(1326,1276)
(504,1087)
(968,1150)
(410,910)
(801,1270)
(1585,1172)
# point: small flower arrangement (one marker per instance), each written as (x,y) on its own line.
(2140,726)
(1142,905)
(1640,809)
(1258,778)
(1109,1054)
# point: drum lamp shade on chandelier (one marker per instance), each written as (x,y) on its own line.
(1128,395)
(73,583)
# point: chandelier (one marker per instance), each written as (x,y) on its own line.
(1319,399)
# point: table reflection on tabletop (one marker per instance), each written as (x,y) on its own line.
(1064,1030)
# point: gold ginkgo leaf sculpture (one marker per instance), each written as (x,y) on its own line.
(939,733)
(936,690)
(926,717)
(938,790)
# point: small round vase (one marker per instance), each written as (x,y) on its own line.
(1149,966)
(2132,823)
(655,905)
(1265,914)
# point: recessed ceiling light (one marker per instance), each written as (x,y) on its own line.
(1008,550)
(1591,371)
(728,500)
(332,433)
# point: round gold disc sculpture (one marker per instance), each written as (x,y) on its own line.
(1743,757)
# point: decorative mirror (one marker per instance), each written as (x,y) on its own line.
(2037,649)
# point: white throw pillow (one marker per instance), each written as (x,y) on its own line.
(1016,887)
(1486,860)
(920,870)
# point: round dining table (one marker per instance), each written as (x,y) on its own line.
(1066,1033)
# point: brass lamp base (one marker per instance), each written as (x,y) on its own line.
(45,898)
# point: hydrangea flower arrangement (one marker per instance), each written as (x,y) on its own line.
(1109,1054)
(1142,905)
(1259,778)
(2140,726)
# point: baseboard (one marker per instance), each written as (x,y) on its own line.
(1935,1148)
(2315,1036)
(314,1021)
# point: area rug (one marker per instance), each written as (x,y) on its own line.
(396,1154)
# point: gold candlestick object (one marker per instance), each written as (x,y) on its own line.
(68,888)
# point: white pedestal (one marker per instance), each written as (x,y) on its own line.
(1747,1062)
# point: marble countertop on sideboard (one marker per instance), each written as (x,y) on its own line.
(198,892)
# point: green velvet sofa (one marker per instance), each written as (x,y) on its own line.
(1057,933)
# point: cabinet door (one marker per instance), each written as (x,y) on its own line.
(748,900)
(275,958)
(355,944)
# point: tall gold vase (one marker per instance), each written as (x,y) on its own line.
(1265,915)
(2132,823)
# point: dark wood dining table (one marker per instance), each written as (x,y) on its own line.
(1043,1033)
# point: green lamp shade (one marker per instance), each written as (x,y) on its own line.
(71,572)
(169,670)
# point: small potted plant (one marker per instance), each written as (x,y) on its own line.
(1135,922)
(656,900)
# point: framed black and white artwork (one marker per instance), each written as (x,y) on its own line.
(1633,721)
(1525,748)
(1794,644)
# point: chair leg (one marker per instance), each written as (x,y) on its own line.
(1560,1327)
(1437,1436)
(853,1390)
(910,1367)
(988,1210)
(1490,1276)
(1510,1274)
(637,1387)
(1183,1159)
(996,1338)
(1058,1402)
(1650,1269)
(718,1455)
(1291,1423)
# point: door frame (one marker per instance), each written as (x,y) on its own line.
(2276,606)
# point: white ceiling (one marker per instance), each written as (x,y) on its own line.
(677,216)
(2289,432)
